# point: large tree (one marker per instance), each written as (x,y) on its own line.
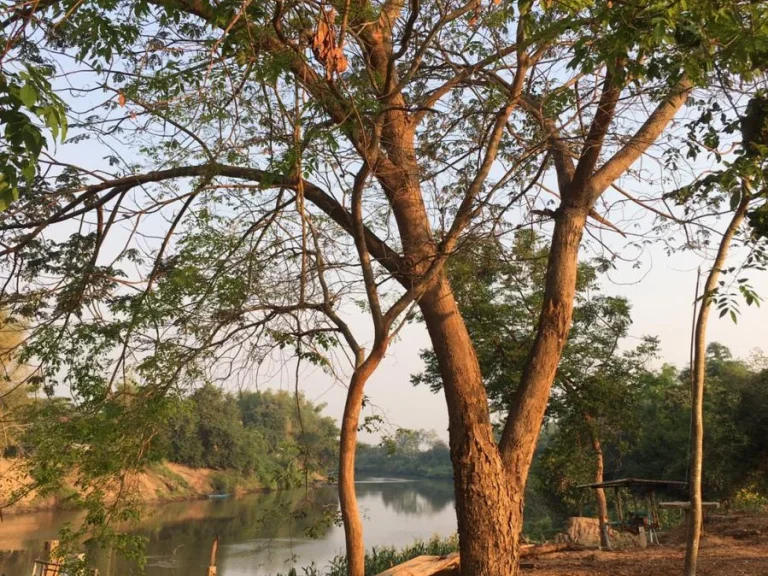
(272,160)
(597,386)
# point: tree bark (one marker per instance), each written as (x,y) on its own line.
(350,513)
(521,431)
(697,388)
(602,501)
(488,507)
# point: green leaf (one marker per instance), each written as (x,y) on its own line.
(28,172)
(28,95)
(735,198)
(7,195)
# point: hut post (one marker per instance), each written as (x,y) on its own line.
(619,511)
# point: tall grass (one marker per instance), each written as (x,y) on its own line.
(379,559)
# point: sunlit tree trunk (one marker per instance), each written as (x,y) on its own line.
(527,412)
(488,507)
(602,501)
(697,389)
(350,513)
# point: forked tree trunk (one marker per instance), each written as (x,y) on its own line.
(488,507)
(489,491)
(697,401)
(350,513)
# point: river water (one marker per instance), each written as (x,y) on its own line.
(259,534)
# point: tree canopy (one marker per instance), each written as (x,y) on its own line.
(247,172)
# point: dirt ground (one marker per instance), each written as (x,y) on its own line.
(733,545)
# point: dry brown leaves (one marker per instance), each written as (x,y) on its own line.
(324,45)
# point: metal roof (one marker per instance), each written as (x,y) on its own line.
(634,482)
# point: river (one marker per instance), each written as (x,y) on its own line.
(259,534)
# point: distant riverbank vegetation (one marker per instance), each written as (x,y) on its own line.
(644,435)
(275,435)
(406,454)
(269,439)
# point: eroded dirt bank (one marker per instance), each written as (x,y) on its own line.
(163,482)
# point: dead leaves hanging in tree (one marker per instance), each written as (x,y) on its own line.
(324,46)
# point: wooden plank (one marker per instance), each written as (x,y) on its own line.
(684,505)
(539,549)
(426,566)
(450,565)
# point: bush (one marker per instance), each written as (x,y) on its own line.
(750,500)
(224,483)
(378,560)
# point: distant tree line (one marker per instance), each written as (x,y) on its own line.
(654,443)
(280,438)
(272,434)
(406,454)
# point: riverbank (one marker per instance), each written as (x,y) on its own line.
(160,483)
(731,544)
(734,544)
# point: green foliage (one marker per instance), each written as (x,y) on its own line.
(407,454)
(26,96)
(253,433)
(734,432)
(378,560)
(750,500)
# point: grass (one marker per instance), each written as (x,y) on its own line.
(170,476)
(380,559)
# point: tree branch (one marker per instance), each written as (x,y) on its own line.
(641,140)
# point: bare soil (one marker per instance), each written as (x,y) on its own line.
(166,482)
(733,545)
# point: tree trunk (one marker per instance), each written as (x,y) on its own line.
(697,388)
(488,507)
(350,513)
(527,412)
(602,501)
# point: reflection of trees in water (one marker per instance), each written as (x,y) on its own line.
(270,515)
(259,528)
(180,535)
(411,498)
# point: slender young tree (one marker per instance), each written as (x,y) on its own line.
(367,139)
(744,182)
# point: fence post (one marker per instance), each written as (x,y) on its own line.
(214,551)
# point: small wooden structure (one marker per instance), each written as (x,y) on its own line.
(647,525)
(50,566)
(47,566)
(686,508)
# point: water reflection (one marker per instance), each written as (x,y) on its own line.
(259,534)
(411,498)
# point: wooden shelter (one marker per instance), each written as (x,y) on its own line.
(647,488)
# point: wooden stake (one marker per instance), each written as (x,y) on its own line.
(214,551)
